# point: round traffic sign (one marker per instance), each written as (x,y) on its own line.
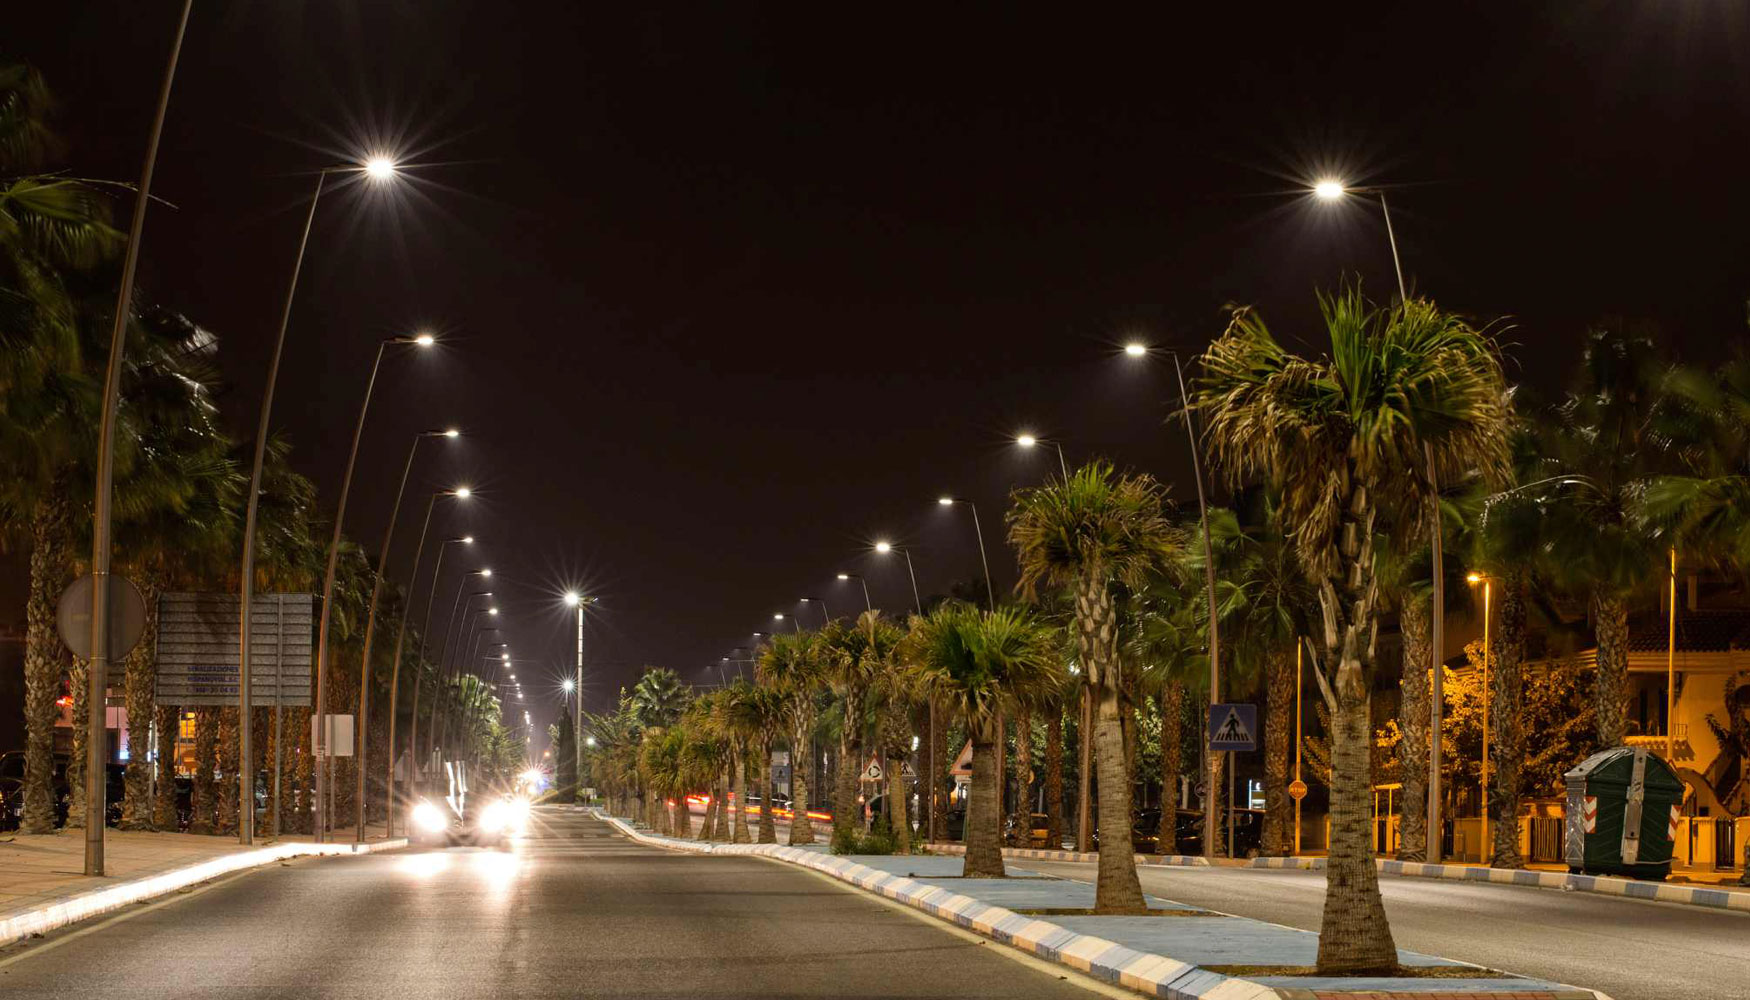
(1297,789)
(127,616)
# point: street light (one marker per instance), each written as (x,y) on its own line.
(324,779)
(1330,190)
(989,591)
(443,651)
(574,599)
(1029,441)
(884,547)
(246,792)
(868,605)
(97,672)
(816,600)
(247,575)
(400,638)
(380,168)
(1488,586)
(1136,349)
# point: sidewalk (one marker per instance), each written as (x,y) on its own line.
(1176,951)
(42,885)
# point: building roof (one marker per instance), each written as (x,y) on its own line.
(1710,630)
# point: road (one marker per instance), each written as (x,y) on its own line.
(1630,949)
(572,911)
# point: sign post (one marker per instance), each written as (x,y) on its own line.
(1232,728)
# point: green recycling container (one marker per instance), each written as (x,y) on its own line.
(1623,805)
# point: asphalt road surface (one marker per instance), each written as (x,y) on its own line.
(1630,949)
(572,911)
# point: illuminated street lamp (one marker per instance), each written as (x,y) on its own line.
(246,791)
(1488,586)
(1331,190)
(815,600)
(989,591)
(868,605)
(884,547)
(574,599)
(1029,441)
(246,577)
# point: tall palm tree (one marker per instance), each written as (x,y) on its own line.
(1609,438)
(1096,533)
(790,665)
(1338,438)
(50,227)
(1169,638)
(769,711)
(977,664)
(858,655)
(743,723)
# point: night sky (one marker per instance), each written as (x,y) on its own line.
(726,294)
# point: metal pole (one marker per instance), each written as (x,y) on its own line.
(576,722)
(1482,851)
(868,605)
(246,819)
(1209,823)
(1391,237)
(989,592)
(395,675)
(370,633)
(419,671)
(320,739)
(1671,670)
(1062,466)
(1437,641)
(1084,761)
(97,673)
(1297,719)
(916,601)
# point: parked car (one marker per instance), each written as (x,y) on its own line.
(1037,834)
(12,789)
(1145,829)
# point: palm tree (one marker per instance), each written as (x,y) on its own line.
(1339,438)
(977,664)
(743,723)
(1095,533)
(769,711)
(1610,438)
(50,226)
(1168,636)
(790,665)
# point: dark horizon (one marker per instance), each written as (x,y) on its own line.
(727,296)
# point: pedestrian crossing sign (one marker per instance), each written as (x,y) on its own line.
(1233,727)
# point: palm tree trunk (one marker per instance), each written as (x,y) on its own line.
(206,738)
(44,657)
(1413,724)
(141,672)
(846,817)
(1054,779)
(1506,706)
(984,852)
(1172,705)
(1021,811)
(226,821)
(738,831)
(720,831)
(1610,619)
(941,781)
(1117,888)
(166,719)
(898,819)
(78,679)
(683,817)
(1354,936)
(801,827)
(1278,833)
(768,822)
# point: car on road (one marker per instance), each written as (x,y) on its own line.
(476,821)
(1037,833)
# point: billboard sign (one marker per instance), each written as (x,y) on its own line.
(198,644)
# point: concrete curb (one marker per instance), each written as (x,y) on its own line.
(1039,854)
(107,900)
(1604,885)
(1145,972)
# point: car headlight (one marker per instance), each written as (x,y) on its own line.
(429,818)
(495,817)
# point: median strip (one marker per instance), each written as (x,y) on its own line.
(1124,950)
(96,902)
(1604,885)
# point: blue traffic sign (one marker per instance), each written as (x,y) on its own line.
(1233,727)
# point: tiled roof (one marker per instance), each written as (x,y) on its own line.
(1713,630)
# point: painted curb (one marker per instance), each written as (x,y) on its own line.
(1604,885)
(1145,972)
(101,901)
(1040,854)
